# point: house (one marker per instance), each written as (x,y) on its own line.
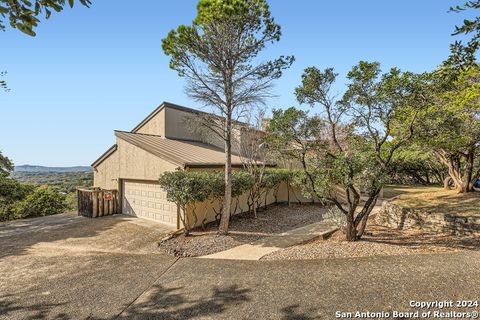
(166,140)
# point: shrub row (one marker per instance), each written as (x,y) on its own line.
(186,188)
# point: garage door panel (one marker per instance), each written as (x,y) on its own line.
(148,200)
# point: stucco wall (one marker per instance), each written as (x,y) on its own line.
(206,211)
(135,163)
(155,125)
(105,175)
(178,125)
(129,162)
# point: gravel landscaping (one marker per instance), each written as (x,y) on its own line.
(244,228)
(379,241)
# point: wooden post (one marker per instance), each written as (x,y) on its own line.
(94,199)
(101,204)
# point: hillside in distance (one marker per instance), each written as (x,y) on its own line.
(43,169)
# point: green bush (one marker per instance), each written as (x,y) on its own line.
(7,211)
(71,201)
(11,190)
(186,188)
(242,181)
(43,201)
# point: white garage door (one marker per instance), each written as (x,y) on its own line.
(149,201)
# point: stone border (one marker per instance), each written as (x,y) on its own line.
(395,216)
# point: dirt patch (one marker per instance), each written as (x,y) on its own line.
(244,228)
(379,241)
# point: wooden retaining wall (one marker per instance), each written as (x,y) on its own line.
(96,202)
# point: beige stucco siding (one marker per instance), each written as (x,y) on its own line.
(129,162)
(156,125)
(105,175)
(178,125)
(138,164)
(206,211)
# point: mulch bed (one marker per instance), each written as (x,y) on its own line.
(244,228)
(379,241)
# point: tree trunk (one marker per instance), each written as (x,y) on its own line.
(466,185)
(366,210)
(446,182)
(227,200)
(454,172)
(350,229)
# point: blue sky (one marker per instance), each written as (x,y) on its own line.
(91,71)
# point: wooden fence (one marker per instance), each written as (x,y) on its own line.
(96,202)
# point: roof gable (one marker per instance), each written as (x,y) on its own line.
(160,108)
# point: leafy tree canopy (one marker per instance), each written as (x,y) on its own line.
(6,165)
(24,14)
(220,45)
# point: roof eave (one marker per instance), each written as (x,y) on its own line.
(104,156)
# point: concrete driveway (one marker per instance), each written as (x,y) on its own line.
(107,268)
(71,267)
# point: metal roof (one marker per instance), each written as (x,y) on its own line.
(181,152)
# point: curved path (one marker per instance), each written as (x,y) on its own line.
(107,268)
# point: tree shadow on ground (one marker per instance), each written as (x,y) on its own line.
(419,239)
(9,308)
(170,303)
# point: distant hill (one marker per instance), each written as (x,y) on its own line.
(33,168)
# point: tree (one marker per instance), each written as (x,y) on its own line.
(24,15)
(450,126)
(358,136)
(415,164)
(462,55)
(6,166)
(3,83)
(217,55)
(293,134)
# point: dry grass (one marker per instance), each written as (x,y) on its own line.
(442,201)
(391,191)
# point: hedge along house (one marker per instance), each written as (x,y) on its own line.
(167,140)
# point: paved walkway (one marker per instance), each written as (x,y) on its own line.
(262,247)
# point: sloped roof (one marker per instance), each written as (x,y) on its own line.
(104,156)
(181,152)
